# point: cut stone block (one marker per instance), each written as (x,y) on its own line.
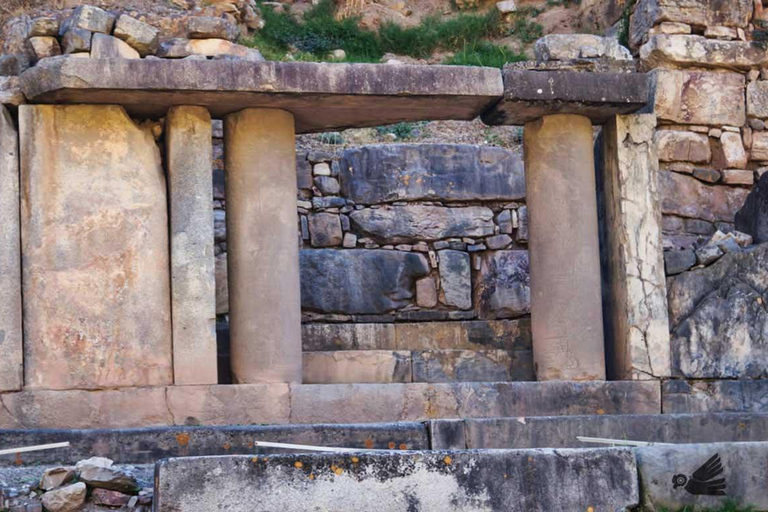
(632,252)
(209,27)
(403,224)
(93,19)
(699,52)
(321,96)
(359,282)
(10,91)
(77,40)
(680,146)
(681,396)
(95,263)
(11,356)
(453,480)
(44,46)
(468,335)
(700,97)
(329,337)
(193,278)
(142,37)
(757,99)
(685,196)
(444,172)
(325,229)
(472,366)
(455,278)
(243,404)
(108,47)
(349,366)
(579,46)
(503,289)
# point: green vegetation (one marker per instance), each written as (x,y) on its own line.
(319,33)
(402,131)
(728,506)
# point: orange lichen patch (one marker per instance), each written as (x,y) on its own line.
(601,411)
(369,443)
(355,460)
(448,460)
(255,460)
(227,446)
(391,445)
(18,460)
(298,464)
(403,446)
(338,471)
(311,476)
(251,444)
(182,438)
(590,509)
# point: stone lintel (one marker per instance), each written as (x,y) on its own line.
(321,96)
(530,95)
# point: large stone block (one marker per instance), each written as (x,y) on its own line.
(347,366)
(469,335)
(328,337)
(444,172)
(682,146)
(503,289)
(700,97)
(718,321)
(757,99)
(752,218)
(578,46)
(95,250)
(403,224)
(193,278)
(702,13)
(703,475)
(509,481)
(685,196)
(472,366)
(706,396)
(244,404)
(697,51)
(455,278)
(11,356)
(358,282)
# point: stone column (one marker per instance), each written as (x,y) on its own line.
(10,257)
(193,281)
(262,246)
(566,305)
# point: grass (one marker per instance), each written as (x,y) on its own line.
(320,33)
(728,506)
(402,131)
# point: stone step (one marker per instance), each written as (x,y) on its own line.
(385,366)
(249,404)
(561,431)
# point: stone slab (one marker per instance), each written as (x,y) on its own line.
(703,476)
(96,270)
(445,172)
(11,353)
(358,282)
(147,445)
(530,95)
(345,366)
(685,196)
(682,396)
(510,481)
(697,51)
(503,288)
(562,431)
(321,96)
(472,366)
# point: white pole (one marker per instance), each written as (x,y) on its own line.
(11,451)
(310,448)
(619,442)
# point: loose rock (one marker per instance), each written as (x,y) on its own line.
(65,499)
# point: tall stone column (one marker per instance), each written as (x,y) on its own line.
(10,257)
(193,281)
(262,246)
(566,306)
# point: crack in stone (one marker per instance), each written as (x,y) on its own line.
(8,411)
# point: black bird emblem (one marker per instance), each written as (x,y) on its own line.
(703,481)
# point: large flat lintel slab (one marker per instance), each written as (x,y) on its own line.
(321,96)
(531,95)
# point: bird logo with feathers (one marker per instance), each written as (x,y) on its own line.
(704,480)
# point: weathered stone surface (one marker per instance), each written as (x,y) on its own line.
(683,397)
(426,292)
(562,431)
(708,254)
(77,40)
(700,97)
(717,320)
(325,229)
(636,302)
(472,366)
(676,262)
(56,477)
(209,27)
(702,13)
(11,356)
(760,146)
(142,37)
(327,185)
(455,278)
(65,499)
(335,96)
(678,146)
(504,286)
(530,95)
(181,48)
(244,404)
(222,284)
(348,366)
(697,51)
(707,175)
(447,172)
(757,99)
(11,65)
(93,19)
(95,250)
(358,282)
(733,154)
(327,337)
(108,47)
(670,476)
(111,499)
(44,46)
(738,177)
(752,218)
(402,224)
(579,46)
(193,279)
(102,477)
(10,91)
(686,196)
(452,480)
(44,26)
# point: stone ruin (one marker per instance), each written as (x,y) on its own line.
(435,298)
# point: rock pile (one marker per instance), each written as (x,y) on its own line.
(93,483)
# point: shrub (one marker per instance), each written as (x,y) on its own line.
(483,53)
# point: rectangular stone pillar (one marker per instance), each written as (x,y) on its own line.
(262,246)
(637,327)
(189,157)
(11,366)
(94,226)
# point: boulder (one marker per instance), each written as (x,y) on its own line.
(11,65)
(446,172)
(142,37)
(65,499)
(111,499)
(56,477)
(44,46)
(181,48)
(209,27)
(579,46)
(700,97)
(101,477)
(455,278)
(359,282)
(752,218)
(325,229)
(503,288)
(76,40)
(696,51)
(108,47)
(676,262)
(718,318)
(90,18)
(403,224)
(44,26)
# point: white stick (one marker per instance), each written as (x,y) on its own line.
(620,442)
(11,451)
(310,448)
